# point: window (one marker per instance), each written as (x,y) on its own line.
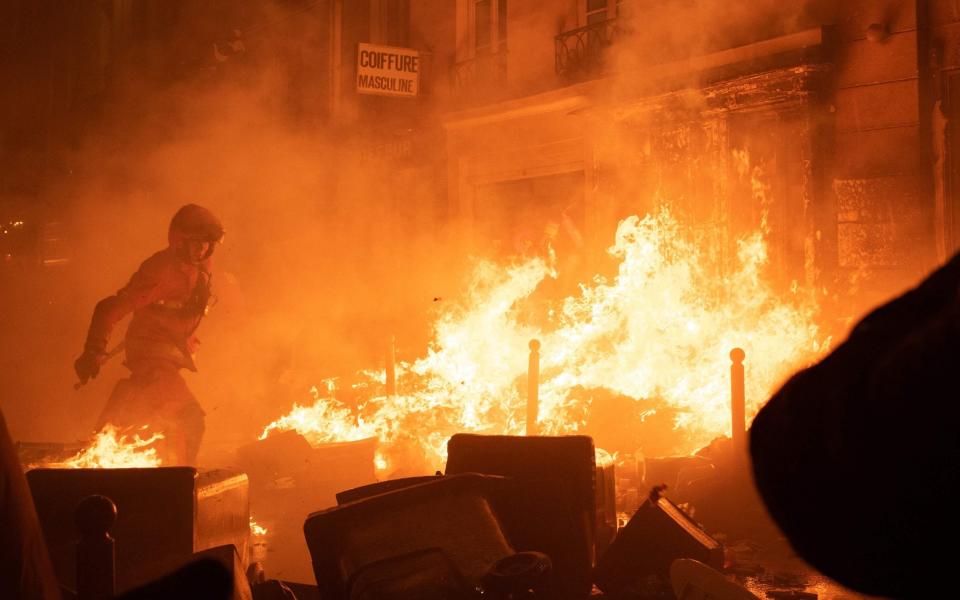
(390,22)
(597,11)
(398,22)
(481,25)
(481,44)
(489,25)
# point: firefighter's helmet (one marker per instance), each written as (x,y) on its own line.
(194,223)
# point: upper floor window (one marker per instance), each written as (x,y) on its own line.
(390,22)
(597,11)
(481,47)
(580,52)
(489,25)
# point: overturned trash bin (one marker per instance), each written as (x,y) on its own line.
(164,516)
(382,487)
(549,504)
(446,527)
(420,575)
(658,534)
(289,479)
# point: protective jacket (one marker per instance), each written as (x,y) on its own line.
(168,297)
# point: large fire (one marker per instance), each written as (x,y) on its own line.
(112,449)
(659,333)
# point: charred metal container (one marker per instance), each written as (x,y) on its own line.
(382,487)
(331,467)
(36,453)
(550,502)
(289,479)
(164,515)
(657,534)
(362,540)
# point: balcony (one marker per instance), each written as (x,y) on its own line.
(580,52)
(482,75)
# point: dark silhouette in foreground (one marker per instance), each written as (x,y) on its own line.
(204,579)
(25,569)
(857,456)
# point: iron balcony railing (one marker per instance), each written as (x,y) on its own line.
(580,52)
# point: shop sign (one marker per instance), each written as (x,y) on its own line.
(387,71)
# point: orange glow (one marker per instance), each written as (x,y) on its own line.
(110,449)
(604,458)
(661,330)
(256,529)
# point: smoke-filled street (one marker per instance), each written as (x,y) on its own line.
(409,299)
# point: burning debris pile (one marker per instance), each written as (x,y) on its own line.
(517,513)
(649,344)
(659,333)
(516,517)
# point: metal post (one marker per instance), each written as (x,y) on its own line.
(738,404)
(96,579)
(533,388)
(391,375)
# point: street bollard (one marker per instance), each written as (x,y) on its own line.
(391,369)
(533,388)
(738,405)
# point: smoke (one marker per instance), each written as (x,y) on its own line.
(678,29)
(337,231)
(327,243)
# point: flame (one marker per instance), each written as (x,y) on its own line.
(604,458)
(660,330)
(110,449)
(256,529)
(338,422)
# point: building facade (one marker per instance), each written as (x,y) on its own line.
(584,111)
(842,112)
(568,112)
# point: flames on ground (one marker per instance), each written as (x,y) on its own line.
(112,448)
(658,333)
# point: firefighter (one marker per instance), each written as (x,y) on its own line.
(168,296)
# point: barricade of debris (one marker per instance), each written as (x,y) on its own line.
(512,517)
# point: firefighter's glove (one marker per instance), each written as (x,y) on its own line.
(88,365)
